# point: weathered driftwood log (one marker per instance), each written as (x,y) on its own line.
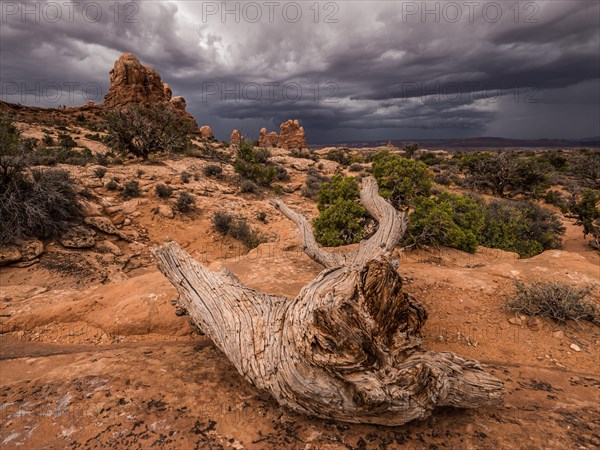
(348,347)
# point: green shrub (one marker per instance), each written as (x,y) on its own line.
(410,149)
(401,180)
(341,218)
(163,191)
(431,159)
(356,167)
(66,141)
(507,175)
(338,189)
(247,153)
(304,153)
(556,159)
(522,227)
(560,302)
(586,211)
(468,161)
(442,179)
(10,138)
(449,220)
(587,168)
(340,156)
(259,173)
(131,189)
(340,224)
(557,199)
(249,187)
(254,165)
(185,202)
(238,228)
(142,130)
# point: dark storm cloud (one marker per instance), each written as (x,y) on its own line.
(378,69)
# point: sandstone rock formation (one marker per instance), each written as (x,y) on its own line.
(206,133)
(167,91)
(179,103)
(291,135)
(133,82)
(236,138)
(268,139)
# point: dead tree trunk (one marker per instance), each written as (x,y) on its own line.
(348,347)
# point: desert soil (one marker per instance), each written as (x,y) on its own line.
(94,354)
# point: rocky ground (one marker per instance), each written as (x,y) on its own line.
(95,355)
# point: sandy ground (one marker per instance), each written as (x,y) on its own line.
(93,354)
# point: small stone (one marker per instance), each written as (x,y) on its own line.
(105,225)
(78,237)
(91,209)
(130,206)
(534,323)
(109,247)
(9,254)
(575,347)
(166,211)
(515,321)
(119,219)
(26,263)
(31,249)
(559,334)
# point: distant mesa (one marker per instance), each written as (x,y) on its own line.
(134,82)
(291,136)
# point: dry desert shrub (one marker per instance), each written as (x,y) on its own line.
(163,191)
(555,300)
(185,202)
(238,228)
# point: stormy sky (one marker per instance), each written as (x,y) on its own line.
(348,70)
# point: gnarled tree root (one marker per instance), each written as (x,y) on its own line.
(348,347)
